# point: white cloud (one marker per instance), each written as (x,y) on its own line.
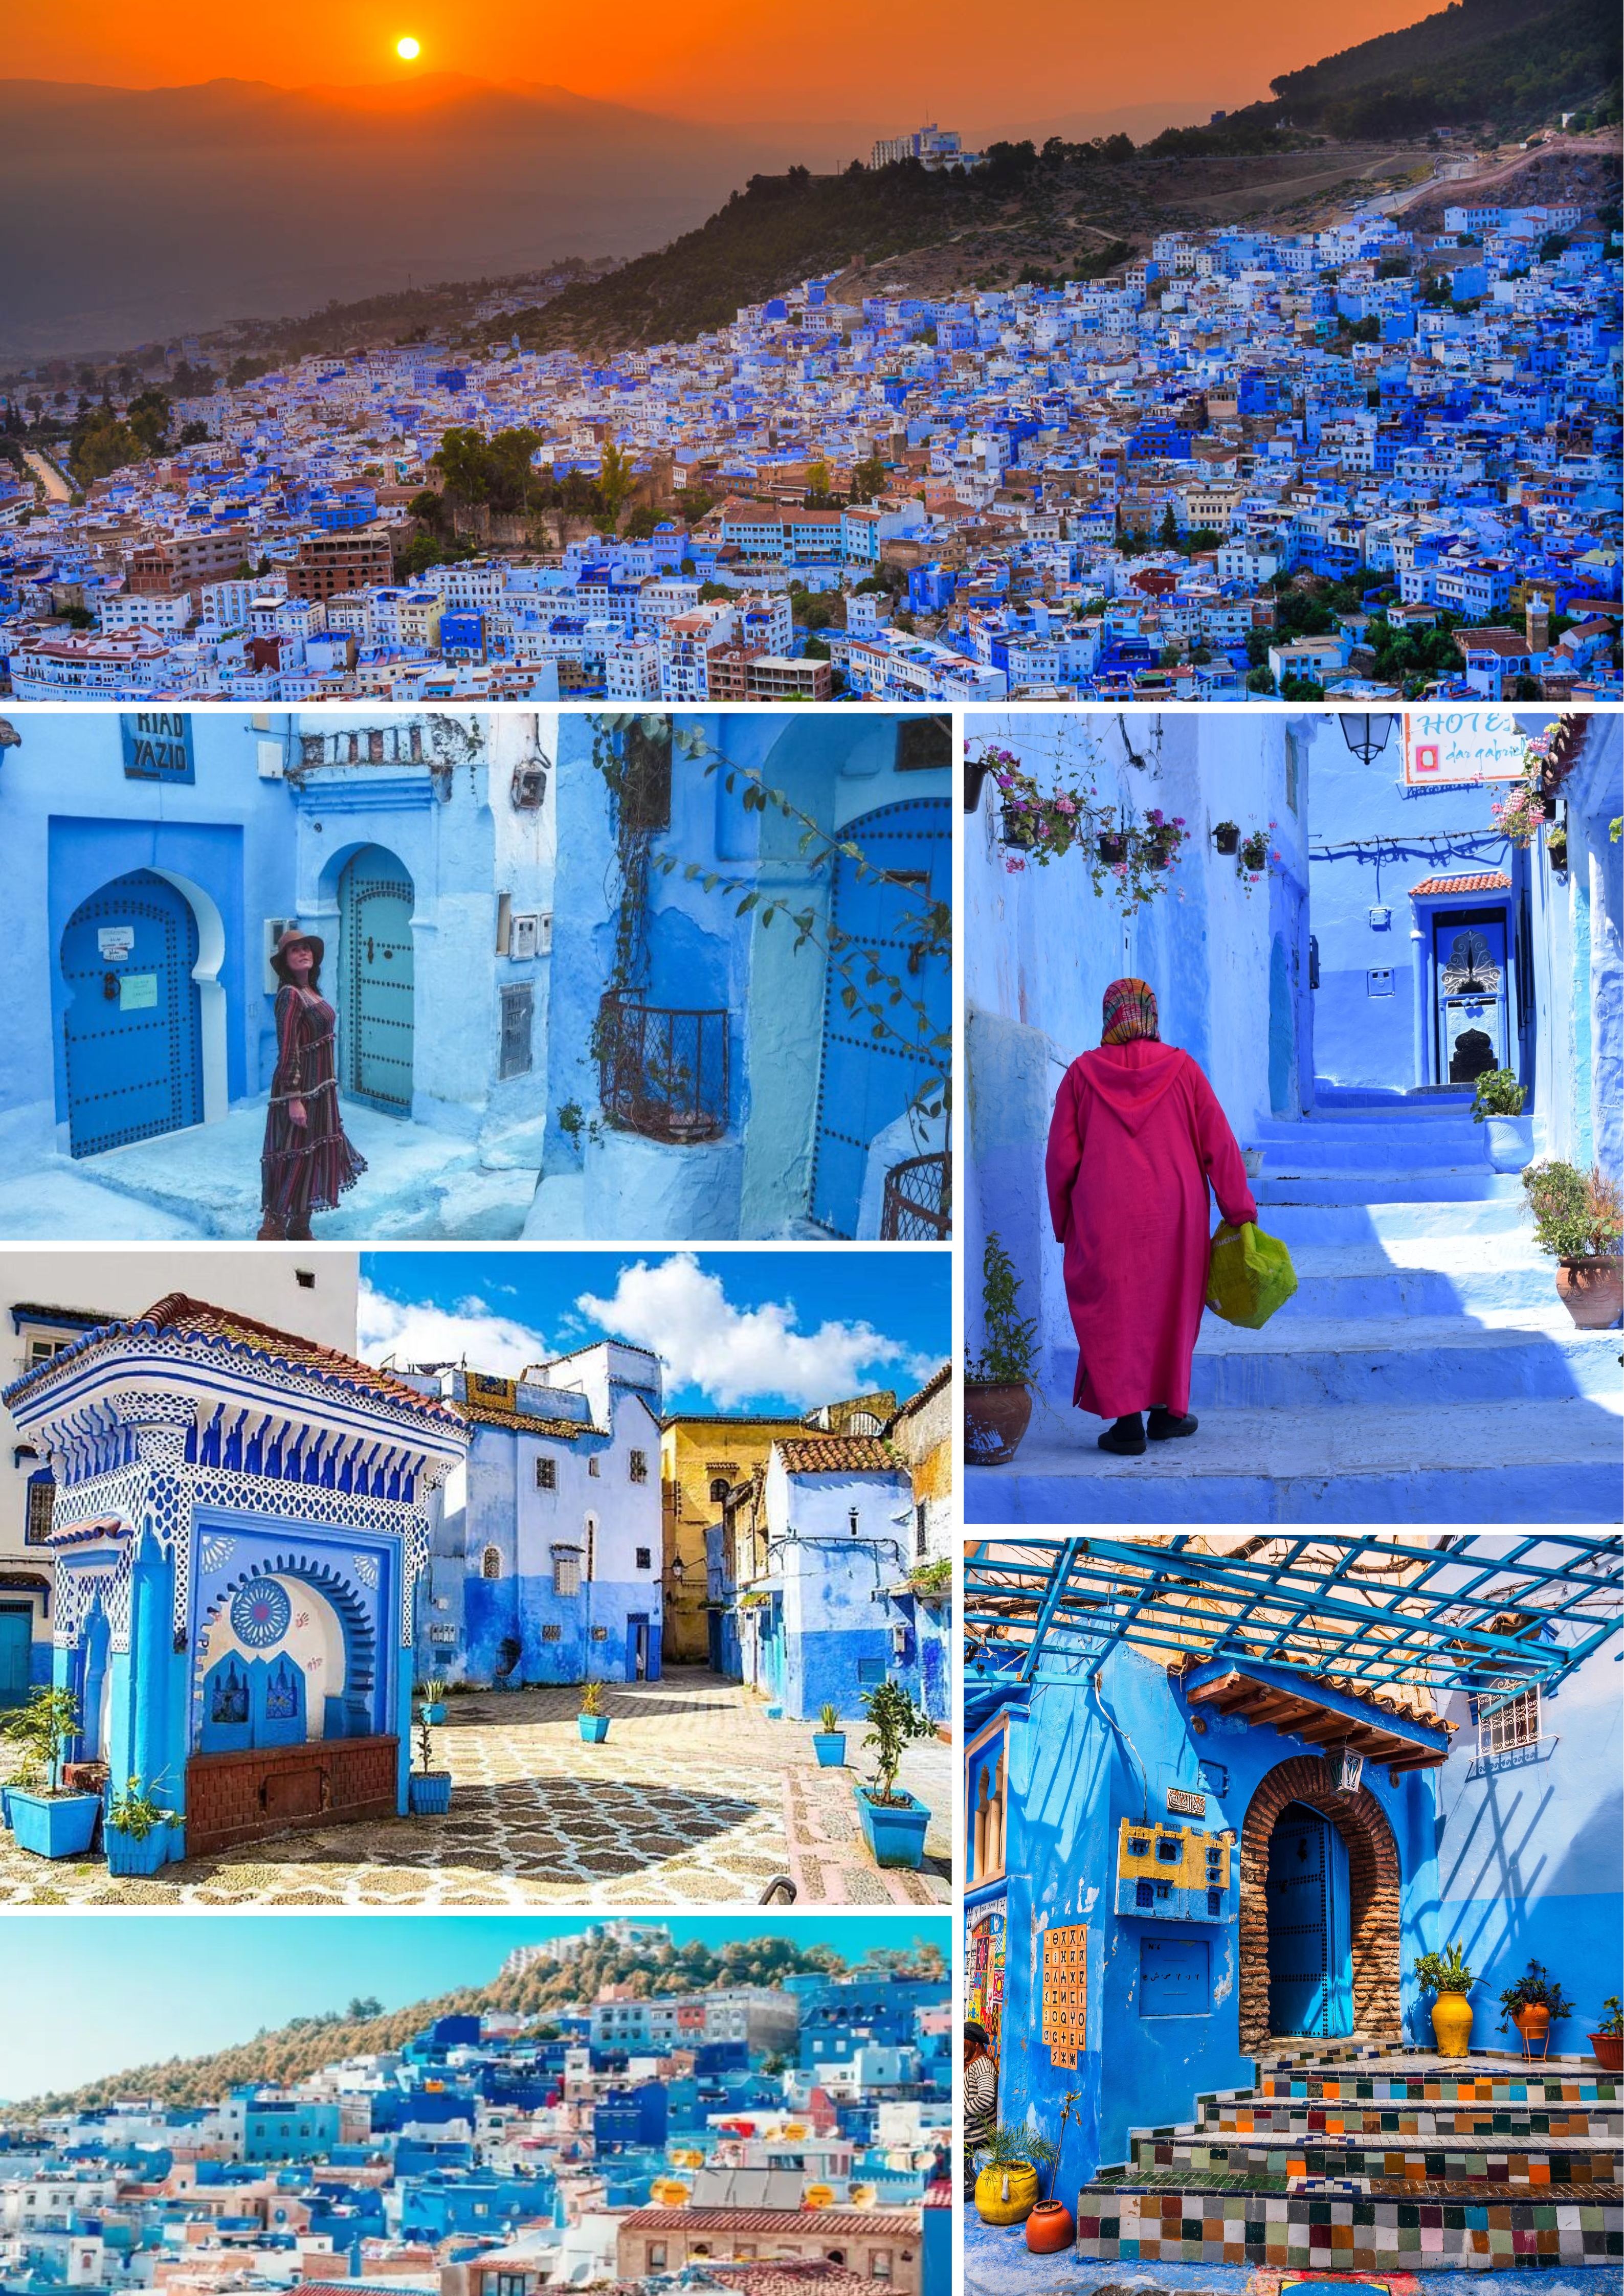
(413,1331)
(738,1355)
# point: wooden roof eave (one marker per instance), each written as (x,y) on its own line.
(1301,1716)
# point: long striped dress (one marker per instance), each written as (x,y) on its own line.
(305,1168)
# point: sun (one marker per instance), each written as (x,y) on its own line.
(408,50)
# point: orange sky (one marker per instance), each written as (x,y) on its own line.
(956,61)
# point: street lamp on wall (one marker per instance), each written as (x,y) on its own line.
(1365,732)
(1350,1770)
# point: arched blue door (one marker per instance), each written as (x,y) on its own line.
(376,1000)
(16,1644)
(133,1028)
(1469,981)
(1311,1973)
(865,1081)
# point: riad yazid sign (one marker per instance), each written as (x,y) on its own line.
(157,746)
(1445,746)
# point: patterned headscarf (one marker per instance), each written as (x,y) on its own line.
(1129,1013)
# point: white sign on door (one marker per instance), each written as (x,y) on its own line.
(115,942)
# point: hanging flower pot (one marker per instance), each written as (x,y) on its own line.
(1254,854)
(1113,848)
(1547,808)
(975,776)
(1226,836)
(1556,851)
(1019,829)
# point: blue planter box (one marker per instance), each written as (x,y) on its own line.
(126,1855)
(774,1713)
(830,1747)
(431,1792)
(61,1827)
(5,1807)
(895,1837)
(435,1714)
(594,1727)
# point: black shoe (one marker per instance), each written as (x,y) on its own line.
(1126,1437)
(1163,1425)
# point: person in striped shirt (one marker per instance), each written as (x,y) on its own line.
(981,2096)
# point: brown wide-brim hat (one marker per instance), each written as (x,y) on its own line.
(291,938)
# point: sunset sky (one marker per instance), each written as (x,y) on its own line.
(948,59)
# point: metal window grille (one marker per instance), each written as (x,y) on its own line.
(518,1018)
(546,1474)
(566,1575)
(918,1204)
(552,1634)
(490,1565)
(639,1466)
(1516,1722)
(664,1070)
(42,1496)
(644,1558)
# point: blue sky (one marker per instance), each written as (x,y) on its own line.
(106,1992)
(737,1331)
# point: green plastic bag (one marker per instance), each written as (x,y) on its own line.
(1249,1275)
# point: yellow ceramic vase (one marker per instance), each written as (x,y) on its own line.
(1452,2024)
(1005,2195)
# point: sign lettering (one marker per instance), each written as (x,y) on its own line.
(157,746)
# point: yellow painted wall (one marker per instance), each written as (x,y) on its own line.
(692,1454)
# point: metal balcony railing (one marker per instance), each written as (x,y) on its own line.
(918,1205)
(662,1072)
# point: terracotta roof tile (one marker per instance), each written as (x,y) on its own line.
(177,1312)
(899,2221)
(1480,880)
(839,1455)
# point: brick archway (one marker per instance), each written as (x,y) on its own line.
(1373,1872)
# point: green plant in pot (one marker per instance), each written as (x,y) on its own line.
(429,1789)
(1007,2187)
(1578,1220)
(136,1835)
(893,1822)
(998,1397)
(829,1740)
(591,1720)
(46,1818)
(1446,1976)
(1496,1104)
(1607,2041)
(1226,836)
(434,1700)
(1533,2004)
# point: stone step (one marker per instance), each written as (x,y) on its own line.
(1517,2159)
(1552,1462)
(1305,1146)
(1304,2121)
(1412,1184)
(1408,2077)
(1394,1224)
(1361,1104)
(1440,2228)
(1431,1277)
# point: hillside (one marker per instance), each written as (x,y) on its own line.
(1500,62)
(305,2045)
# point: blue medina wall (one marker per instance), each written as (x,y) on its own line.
(1531,1853)
(1080,1760)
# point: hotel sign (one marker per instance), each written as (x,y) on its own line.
(157,746)
(1442,747)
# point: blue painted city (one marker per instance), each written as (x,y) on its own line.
(607,2106)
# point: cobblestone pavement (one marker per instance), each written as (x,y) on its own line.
(695,1797)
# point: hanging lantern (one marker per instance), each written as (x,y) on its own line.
(1350,1770)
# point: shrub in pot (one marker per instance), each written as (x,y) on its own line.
(1497,1105)
(434,1701)
(428,1790)
(47,1819)
(135,1836)
(1007,2187)
(997,1400)
(592,1721)
(893,1821)
(1578,1220)
(829,1741)
(1533,2004)
(1446,1976)
(1607,2041)
(1226,836)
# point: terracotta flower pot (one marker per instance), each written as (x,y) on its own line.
(995,1418)
(1452,2024)
(1592,1290)
(1533,2021)
(1049,2229)
(1608,2050)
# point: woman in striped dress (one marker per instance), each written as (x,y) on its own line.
(981,2096)
(307,1163)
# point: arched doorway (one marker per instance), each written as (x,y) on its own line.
(133,1054)
(376,1000)
(1294,1791)
(1311,1985)
(867,1082)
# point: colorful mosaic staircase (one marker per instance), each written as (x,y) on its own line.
(1376,2161)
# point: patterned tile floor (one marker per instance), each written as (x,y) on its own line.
(695,1797)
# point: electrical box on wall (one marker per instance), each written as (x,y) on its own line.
(1175,1872)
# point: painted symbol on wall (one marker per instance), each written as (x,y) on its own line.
(260,1613)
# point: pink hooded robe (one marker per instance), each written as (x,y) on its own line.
(1137,1134)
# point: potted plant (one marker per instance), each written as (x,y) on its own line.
(1006,2188)
(998,1403)
(592,1721)
(1533,2004)
(135,1836)
(1113,846)
(1226,836)
(1556,851)
(1254,853)
(1497,1103)
(428,1790)
(1607,2041)
(46,1819)
(1446,1976)
(434,1701)
(829,1741)
(1580,1222)
(1051,2226)
(1163,837)
(893,1821)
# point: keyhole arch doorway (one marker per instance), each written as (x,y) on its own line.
(375,991)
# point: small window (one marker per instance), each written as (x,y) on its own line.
(718,1490)
(1514,1724)
(639,1465)
(42,1498)
(879,2263)
(490,1565)
(566,1575)
(657,2255)
(919,1532)
(592,1546)
(1144,1893)
(546,1474)
(1215,1901)
(42,1350)
(518,1030)
(592,1466)
(1170,1850)
(600,1634)
(644,1563)
(552,1634)
(305,1277)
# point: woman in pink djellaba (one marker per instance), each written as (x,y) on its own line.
(307,1163)
(1137,1138)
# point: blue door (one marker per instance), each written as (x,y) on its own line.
(16,1639)
(376,1000)
(1311,1978)
(1470,984)
(638,1649)
(867,1081)
(132,1030)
